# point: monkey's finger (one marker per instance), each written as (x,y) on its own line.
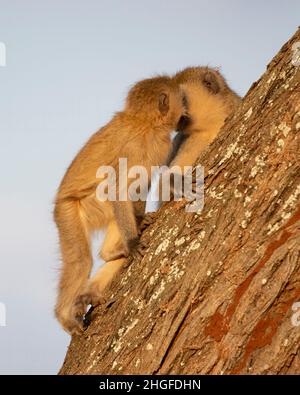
(140,249)
(148,220)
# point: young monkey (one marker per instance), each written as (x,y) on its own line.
(141,134)
(209,101)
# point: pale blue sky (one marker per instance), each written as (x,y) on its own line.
(69,65)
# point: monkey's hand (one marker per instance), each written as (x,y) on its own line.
(69,322)
(138,248)
(148,219)
(80,308)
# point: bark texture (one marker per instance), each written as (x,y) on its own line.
(214,291)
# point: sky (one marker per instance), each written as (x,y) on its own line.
(68,67)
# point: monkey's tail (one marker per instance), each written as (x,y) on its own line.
(75,251)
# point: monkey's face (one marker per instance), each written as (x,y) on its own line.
(204,109)
(204,96)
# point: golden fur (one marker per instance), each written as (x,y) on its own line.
(141,133)
(209,102)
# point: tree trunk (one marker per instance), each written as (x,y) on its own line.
(215,292)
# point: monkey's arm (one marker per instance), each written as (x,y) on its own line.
(178,141)
(190,149)
(126,221)
(186,150)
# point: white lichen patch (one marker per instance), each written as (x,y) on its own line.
(244,157)
(247,214)
(273,130)
(239,150)
(273,228)
(155,277)
(259,165)
(131,326)
(139,303)
(209,214)
(114,365)
(229,152)
(286,216)
(287,209)
(156,294)
(175,271)
(194,245)
(137,362)
(284,128)
(162,247)
(208,273)
(247,200)
(175,230)
(149,347)
(280,144)
(282,75)
(237,193)
(122,332)
(293,198)
(248,114)
(254,171)
(264,281)
(244,224)
(201,235)
(94,363)
(179,242)
(214,194)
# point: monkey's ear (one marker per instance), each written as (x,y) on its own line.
(211,83)
(163,103)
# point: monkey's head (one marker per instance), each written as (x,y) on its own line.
(159,100)
(209,100)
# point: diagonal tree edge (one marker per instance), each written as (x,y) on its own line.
(215,291)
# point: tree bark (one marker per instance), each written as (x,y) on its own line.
(214,292)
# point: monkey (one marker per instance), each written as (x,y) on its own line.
(141,134)
(209,101)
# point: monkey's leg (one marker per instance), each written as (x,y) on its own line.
(113,246)
(96,286)
(77,263)
(126,224)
